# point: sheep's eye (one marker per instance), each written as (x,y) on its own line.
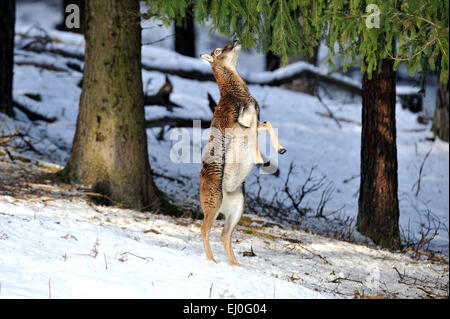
(217,51)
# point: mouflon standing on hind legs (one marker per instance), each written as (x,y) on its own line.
(228,158)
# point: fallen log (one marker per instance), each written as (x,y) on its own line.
(269,78)
(307,74)
(296,71)
(41,65)
(33,116)
(190,74)
(57,51)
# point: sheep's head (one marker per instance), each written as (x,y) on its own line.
(227,56)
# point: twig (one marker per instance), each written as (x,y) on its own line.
(331,115)
(11,157)
(30,146)
(420,172)
(93,194)
(106,263)
(42,40)
(345,181)
(415,54)
(421,284)
(429,255)
(94,251)
(295,203)
(160,40)
(3,235)
(210,290)
(9,137)
(305,189)
(337,280)
(324,199)
(143,258)
(315,254)
(249,253)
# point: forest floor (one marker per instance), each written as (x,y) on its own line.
(56,242)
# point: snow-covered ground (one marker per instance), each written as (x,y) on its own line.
(56,243)
(49,244)
(71,249)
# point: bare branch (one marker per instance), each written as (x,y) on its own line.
(419,179)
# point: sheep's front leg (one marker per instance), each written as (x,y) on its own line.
(262,126)
(248,119)
(254,137)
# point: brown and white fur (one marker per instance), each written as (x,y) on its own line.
(222,176)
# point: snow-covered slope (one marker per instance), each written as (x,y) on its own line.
(70,249)
(47,242)
(56,243)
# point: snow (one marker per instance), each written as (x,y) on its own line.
(56,243)
(48,242)
(50,249)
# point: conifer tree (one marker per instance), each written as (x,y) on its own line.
(380,36)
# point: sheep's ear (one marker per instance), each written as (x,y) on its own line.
(207,58)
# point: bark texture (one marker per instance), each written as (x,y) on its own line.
(378,213)
(440,121)
(7,21)
(109,151)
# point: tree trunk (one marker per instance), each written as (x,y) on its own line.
(109,150)
(185,35)
(378,213)
(7,21)
(314,59)
(272,61)
(440,121)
